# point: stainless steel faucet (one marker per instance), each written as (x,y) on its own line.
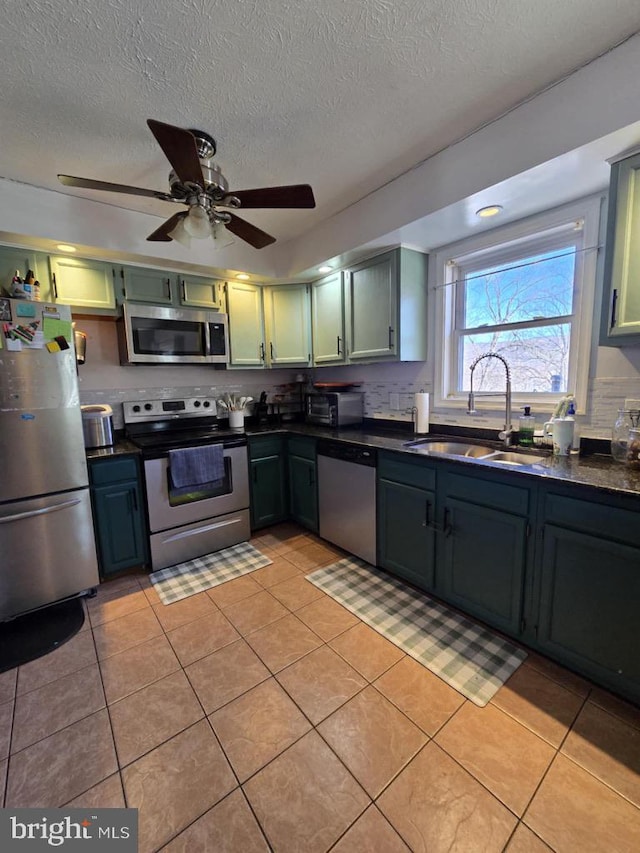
(506,434)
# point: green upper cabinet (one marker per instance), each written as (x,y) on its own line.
(201,292)
(621,308)
(288,324)
(328,320)
(83,283)
(373,316)
(13,259)
(379,312)
(158,287)
(149,285)
(246,324)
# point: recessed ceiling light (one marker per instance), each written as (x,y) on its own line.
(491,210)
(325,268)
(65,247)
(242,276)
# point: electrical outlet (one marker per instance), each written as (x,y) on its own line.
(394,401)
(632,404)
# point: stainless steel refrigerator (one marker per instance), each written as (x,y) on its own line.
(47,548)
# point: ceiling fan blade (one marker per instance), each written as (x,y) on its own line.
(248,232)
(295,195)
(179,146)
(90,184)
(161,234)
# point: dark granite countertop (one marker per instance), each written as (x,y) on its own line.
(596,470)
(122,447)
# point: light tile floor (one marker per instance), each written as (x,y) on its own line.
(262,715)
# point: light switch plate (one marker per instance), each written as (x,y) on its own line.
(394,401)
(632,404)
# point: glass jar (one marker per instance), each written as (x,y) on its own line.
(625,439)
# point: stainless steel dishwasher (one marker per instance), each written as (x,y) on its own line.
(347,497)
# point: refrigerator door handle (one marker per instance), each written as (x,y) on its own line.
(20,515)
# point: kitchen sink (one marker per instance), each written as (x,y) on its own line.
(510,458)
(449,448)
(480,452)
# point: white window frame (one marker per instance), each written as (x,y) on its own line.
(583,215)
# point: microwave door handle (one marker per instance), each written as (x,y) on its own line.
(206,331)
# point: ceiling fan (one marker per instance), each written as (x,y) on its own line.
(195,180)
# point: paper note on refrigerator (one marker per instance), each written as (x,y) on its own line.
(54,328)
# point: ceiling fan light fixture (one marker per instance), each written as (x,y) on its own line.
(221,237)
(197,223)
(180,234)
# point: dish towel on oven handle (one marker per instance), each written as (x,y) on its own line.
(195,466)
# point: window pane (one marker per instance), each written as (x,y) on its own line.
(538,359)
(542,290)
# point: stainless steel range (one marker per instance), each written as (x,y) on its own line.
(188,521)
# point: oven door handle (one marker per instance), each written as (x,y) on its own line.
(184,534)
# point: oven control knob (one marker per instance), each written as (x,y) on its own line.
(136,408)
(197,404)
(148,406)
(206,404)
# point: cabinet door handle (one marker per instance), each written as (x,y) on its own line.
(311,478)
(390,337)
(427,514)
(262,352)
(338,347)
(184,290)
(447,523)
(134,499)
(271,349)
(55,287)
(614,303)
(169,289)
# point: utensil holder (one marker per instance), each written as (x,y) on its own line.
(236,419)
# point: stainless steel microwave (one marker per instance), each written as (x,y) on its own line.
(335,408)
(149,334)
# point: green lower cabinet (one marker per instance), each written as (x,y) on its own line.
(268,480)
(303,492)
(482,564)
(406,536)
(118,514)
(588,612)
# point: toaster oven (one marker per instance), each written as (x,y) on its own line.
(334,408)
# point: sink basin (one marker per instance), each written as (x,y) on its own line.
(450,448)
(509,458)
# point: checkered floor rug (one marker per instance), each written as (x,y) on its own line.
(185,579)
(470,658)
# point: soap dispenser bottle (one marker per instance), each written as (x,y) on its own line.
(526,427)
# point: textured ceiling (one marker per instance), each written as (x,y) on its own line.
(342,94)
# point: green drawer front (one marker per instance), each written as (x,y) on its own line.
(265,445)
(497,495)
(305,447)
(596,518)
(409,473)
(113,470)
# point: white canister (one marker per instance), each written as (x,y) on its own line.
(561,431)
(236,419)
